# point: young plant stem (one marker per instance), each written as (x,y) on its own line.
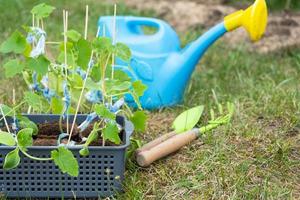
(60,124)
(103,139)
(35,158)
(82,90)
(33,25)
(127,107)
(14,104)
(4,118)
(42,24)
(57,43)
(86,21)
(103,77)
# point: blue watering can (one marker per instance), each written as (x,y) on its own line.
(160,63)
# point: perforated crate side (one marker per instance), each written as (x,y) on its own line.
(100,174)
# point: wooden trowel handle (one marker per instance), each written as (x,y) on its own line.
(145,158)
(155,142)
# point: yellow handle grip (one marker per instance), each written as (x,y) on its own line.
(253,19)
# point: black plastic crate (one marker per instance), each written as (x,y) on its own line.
(100,174)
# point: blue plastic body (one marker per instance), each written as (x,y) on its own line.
(157,59)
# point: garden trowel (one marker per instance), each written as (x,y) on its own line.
(173,141)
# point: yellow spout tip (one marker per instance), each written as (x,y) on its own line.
(253,19)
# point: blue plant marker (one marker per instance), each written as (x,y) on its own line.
(94,96)
(48,94)
(66,99)
(87,121)
(116,106)
(35,86)
(80,72)
(15,125)
(39,36)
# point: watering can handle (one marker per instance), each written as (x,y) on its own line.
(134,24)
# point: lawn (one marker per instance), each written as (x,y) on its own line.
(256,157)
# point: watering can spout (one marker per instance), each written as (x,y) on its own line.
(253,19)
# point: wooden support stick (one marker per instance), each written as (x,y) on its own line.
(114,40)
(4,118)
(81,93)
(86,21)
(65,20)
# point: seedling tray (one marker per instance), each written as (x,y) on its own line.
(100,174)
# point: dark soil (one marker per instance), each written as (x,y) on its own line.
(49,132)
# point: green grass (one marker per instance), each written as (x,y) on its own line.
(256,157)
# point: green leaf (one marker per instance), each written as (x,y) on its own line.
(95,73)
(57,105)
(38,103)
(7,139)
(188,119)
(116,86)
(102,44)
(139,88)
(92,85)
(25,138)
(139,119)
(103,112)
(70,58)
(8,111)
(55,82)
(111,133)
(121,76)
(76,81)
(122,51)
(15,43)
(12,159)
(73,35)
(12,68)
(39,65)
(42,10)
(65,160)
(24,122)
(27,50)
(84,53)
